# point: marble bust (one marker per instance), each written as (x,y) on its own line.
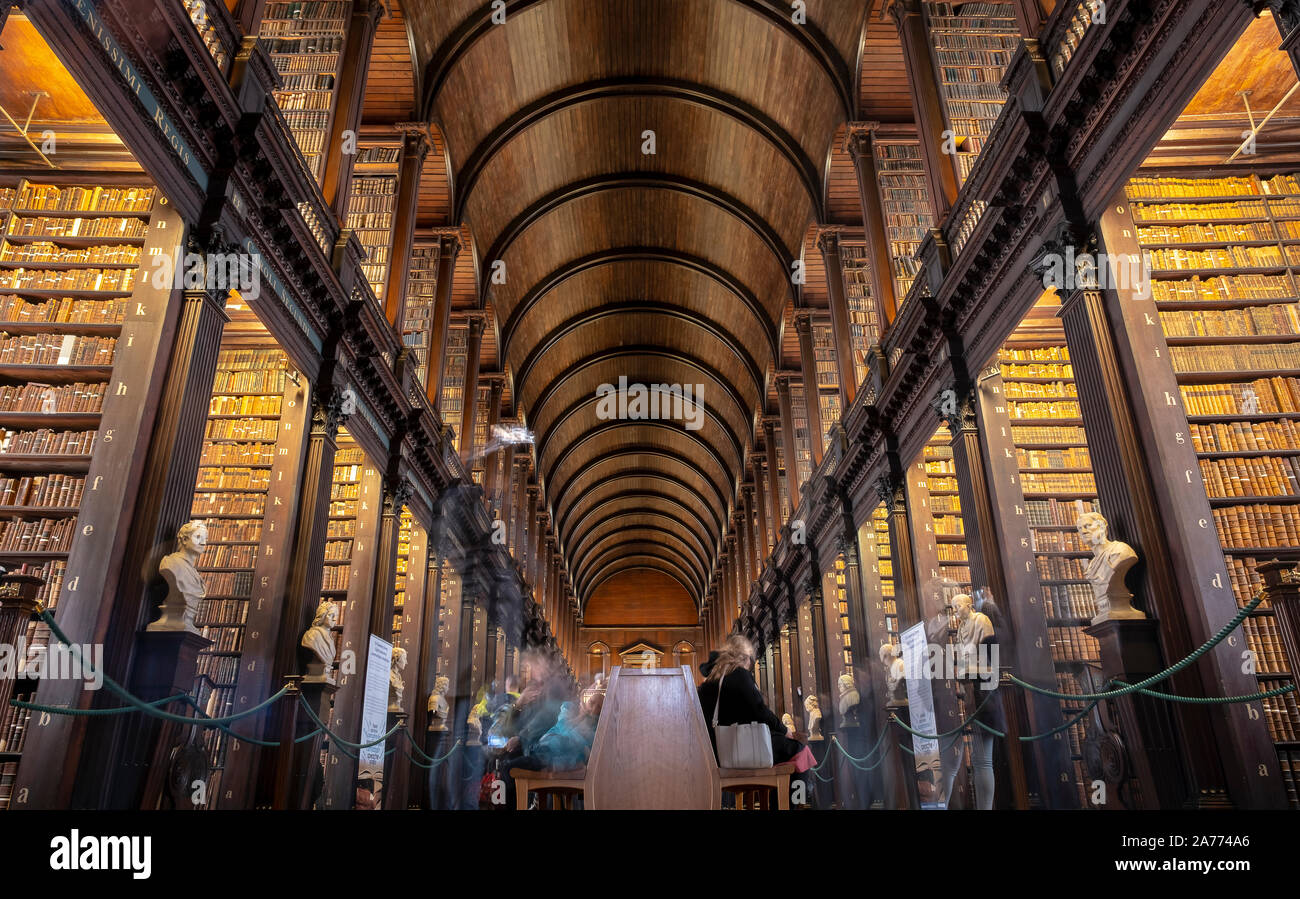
(396,682)
(848,699)
(891,657)
(1111,560)
(812,705)
(184,583)
(438,708)
(319,639)
(788,721)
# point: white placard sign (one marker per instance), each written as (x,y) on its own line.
(920,706)
(374,715)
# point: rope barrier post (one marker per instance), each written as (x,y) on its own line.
(1130,651)
(298,774)
(899,709)
(166,663)
(396,770)
(17,608)
(1282,585)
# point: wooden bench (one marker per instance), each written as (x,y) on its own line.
(734,780)
(564,784)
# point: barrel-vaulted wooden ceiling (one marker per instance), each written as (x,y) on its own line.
(663,267)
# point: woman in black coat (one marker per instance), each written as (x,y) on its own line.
(741,702)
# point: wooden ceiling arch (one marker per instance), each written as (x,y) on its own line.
(629,563)
(665,267)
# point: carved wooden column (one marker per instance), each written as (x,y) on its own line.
(492,461)
(773,479)
(821,659)
(1282,586)
(531,541)
(507,494)
(858,143)
(336,178)
(765,543)
(747,538)
(415,148)
(449,248)
(940,168)
(811,390)
(789,442)
(778,676)
(469,407)
(462,763)
(396,493)
(520,508)
(828,242)
(428,662)
(1181,578)
(891,491)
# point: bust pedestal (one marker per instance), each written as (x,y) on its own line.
(298,774)
(899,708)
(165,662)
(396,767)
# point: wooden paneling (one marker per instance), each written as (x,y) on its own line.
(390,83)
(640,598)
(882,78)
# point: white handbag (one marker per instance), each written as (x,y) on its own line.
(741,745)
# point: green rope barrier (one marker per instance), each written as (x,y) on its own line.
(883,732)
(225,728)
(335,739)
(1215,700)
(141,705)
(87,713)
(1159,676)
(957,730)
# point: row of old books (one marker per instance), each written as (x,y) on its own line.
(1231,232)
(1252,476)
(1071,644)
(1069,601)
(1261,396)
(336,577)
(1165,186)
(21,310)
(240,429)
(1060,568)
(233,477)
(56,349)
(1235,256)
(45,535)
(42,491)
(1255,320)
(223,612)
(228,583)
(1223,288)
(338,549)
(1262,524)
(1246,581)
(242,504)
(60,226)
(1066,409)
(50,398)
(1070,457)
(1266,644)
(1235,358)
(48,442)
(44,251)
(236,453)
(1282,713)
(1056,541)
(249,404)
(41,197)
(221,555)
(1055,512)
(1033,390)
(233,530)
(109,279)
(1042,435)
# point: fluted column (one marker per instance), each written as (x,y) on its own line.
(448,249)
(491,462)
(829,243)
(811,397)
(858,142)
(773,479)
(336,178)
(760,503)
(469,403)
(789,441)
(415,148)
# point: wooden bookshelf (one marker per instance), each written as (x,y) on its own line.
(305,41)
(973,44)
(453,382)
(355,504)
(70,257)
(478,465)
(865,321)
(803,456)
(372,206)
(945,510)
(900,173)
(421,287)
(1224,269)
(246,480)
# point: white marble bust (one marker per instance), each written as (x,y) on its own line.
(812,705)
(1111,560)
(891,657)
(396,682)
(848,699)
(788,720)
(319,638)
(438,708)
(185,588)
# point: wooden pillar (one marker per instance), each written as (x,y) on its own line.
(1282,585)
(396,493)
(828,242)
(773,482)
(765,542)
(811,390)
(492,462)
(428,661)
(415,148)
(507,493)
(490,649)
(530,540)
(789,441)
(1181,573)
(797,671)
(858,143)
(448,249)
(336,178)
(821,657)
(521,512)
(469,407)
(890,489)
(162,505)
(463,697)
(940,168)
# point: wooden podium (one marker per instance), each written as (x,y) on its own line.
(652,748)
